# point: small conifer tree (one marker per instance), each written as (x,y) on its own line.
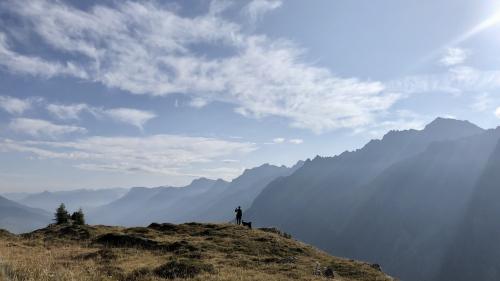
(78,217)
(61,214)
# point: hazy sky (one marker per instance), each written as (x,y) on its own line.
(148,93)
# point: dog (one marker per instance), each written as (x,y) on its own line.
(247,223)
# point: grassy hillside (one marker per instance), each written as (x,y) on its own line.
(166,251)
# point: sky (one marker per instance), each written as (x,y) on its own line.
(100,94)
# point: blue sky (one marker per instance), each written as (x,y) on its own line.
(149,93)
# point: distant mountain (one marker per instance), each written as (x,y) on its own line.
(386,192)
(141,206)
(15,196)
(203,200)
(73,199)
(17,218)
(125,207)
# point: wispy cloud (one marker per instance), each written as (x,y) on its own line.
(296,141)
(198,102)
(483,102)
(279,140)
(71,111)
(130,116)
(34,65)
(497,112)
(454,56)
(14,105)
(159,154)
(456,80)
(147,48)
(257,8)
(284,140)
(38,127)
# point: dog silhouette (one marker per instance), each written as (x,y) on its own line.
(247,223)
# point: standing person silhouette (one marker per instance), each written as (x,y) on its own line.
(239,214)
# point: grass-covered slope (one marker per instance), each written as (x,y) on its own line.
(166,251)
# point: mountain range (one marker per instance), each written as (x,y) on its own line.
(422,203)
(73,199)
(204,200)
(400,201)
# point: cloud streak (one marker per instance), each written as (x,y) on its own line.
(36,66)
(279,140)
(38,127)
(158,154)
(456,80)
(296,141)
(14,105)
(454,56)
(72,111)
(130,116)
(257,8)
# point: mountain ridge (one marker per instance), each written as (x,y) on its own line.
(317,202)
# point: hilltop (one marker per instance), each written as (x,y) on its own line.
(167,251)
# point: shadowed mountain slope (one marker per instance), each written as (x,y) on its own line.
(318,197)
(394,202)
(415,206)
(474,253)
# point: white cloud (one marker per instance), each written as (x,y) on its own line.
(72,111)
(34,65)
(455,81)
(130,116)
(497,112)
(296,141)
(454,56)
(38,127)
(159,154)
(483,102)
(14,105)
(198,102)
(146,48)
(134,117)
(278,140)
(257,8)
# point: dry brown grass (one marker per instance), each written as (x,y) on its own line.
(193,251)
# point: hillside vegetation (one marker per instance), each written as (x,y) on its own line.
(165,251)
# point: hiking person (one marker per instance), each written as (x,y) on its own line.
(239,214)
